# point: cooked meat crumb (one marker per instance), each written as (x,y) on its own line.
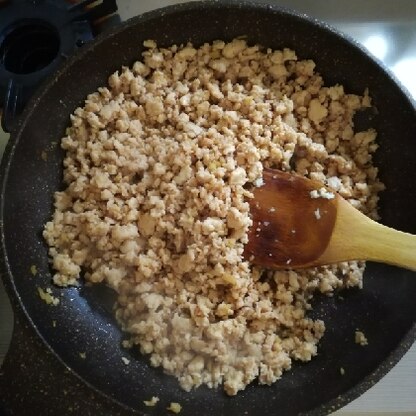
(152,402)
(360,338)
(321,193)
(159,168)
(174,407)
(125,360)
(127,343)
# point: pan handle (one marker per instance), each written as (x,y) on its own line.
(13,104)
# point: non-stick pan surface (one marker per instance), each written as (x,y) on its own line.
(83,321)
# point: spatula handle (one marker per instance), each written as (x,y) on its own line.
(391,246)
(361,238)
(365,239)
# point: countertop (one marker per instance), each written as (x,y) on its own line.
(388,30)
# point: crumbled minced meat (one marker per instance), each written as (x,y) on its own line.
(125,360)
(175,407)
(152,402)
(322,193)
(158,170)
(360,338)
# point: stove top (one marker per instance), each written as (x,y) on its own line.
(36,37)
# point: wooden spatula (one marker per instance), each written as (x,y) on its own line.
(298,223)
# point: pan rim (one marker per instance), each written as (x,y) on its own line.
(349,395)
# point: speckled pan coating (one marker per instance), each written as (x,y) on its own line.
(385,310)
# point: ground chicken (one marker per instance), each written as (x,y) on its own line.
(158,170)
(360,338)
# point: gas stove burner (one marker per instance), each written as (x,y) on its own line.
(30,46)
(36,36)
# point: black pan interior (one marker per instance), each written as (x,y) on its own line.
(385,309)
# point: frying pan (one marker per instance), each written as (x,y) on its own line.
(385,309)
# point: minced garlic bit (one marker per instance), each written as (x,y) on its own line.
(342,371)
(125,360)
(317,214)
(360,338)
(160,165)
(175,407)
(33,270)
(46,296)
(152,402)
(321,193)
(83,355)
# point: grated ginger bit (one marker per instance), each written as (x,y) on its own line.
(33,270)
(47,297)
(230,243)
(213,166)
(230,279)
(175,407)
(152,402)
